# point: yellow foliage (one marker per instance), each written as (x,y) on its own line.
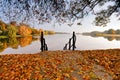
(41,30)
(24,30)
(2,25)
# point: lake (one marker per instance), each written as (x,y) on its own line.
(56,42)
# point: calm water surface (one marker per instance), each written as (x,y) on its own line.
(57,42)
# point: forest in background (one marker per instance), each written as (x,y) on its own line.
(110,34)
(13,29)
(98,33)
(14,35)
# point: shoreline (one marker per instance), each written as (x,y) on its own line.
(109,35)
(59,51)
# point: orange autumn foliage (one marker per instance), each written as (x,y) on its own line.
(24,41)
(62,65)
(24,30)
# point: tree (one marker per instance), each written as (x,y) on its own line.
(61,10)
(3,28)
(11,31)
(24,30)
(2,25)
(14,23)
(111,31)
(35,31)
(118,31)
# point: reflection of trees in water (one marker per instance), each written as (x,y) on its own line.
(15,42)
(3,46)
(9,42)
(24,41)
(111,38)
(118,38)
(34,39)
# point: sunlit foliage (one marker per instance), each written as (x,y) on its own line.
(11,31)
(24,30)
(3,28)
(35,31)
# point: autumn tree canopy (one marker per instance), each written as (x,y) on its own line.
(60,10)
(24,30)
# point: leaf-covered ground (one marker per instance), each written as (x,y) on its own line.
(62,65)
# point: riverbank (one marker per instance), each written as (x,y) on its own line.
(108,35)
(62,65)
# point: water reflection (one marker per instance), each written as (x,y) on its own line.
(24,41)
(14,43)
(27,45)
(109,38)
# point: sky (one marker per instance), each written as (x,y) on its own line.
(87,24)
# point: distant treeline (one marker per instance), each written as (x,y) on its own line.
(13,29)
(98,33)
(112,31)
(110,34)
